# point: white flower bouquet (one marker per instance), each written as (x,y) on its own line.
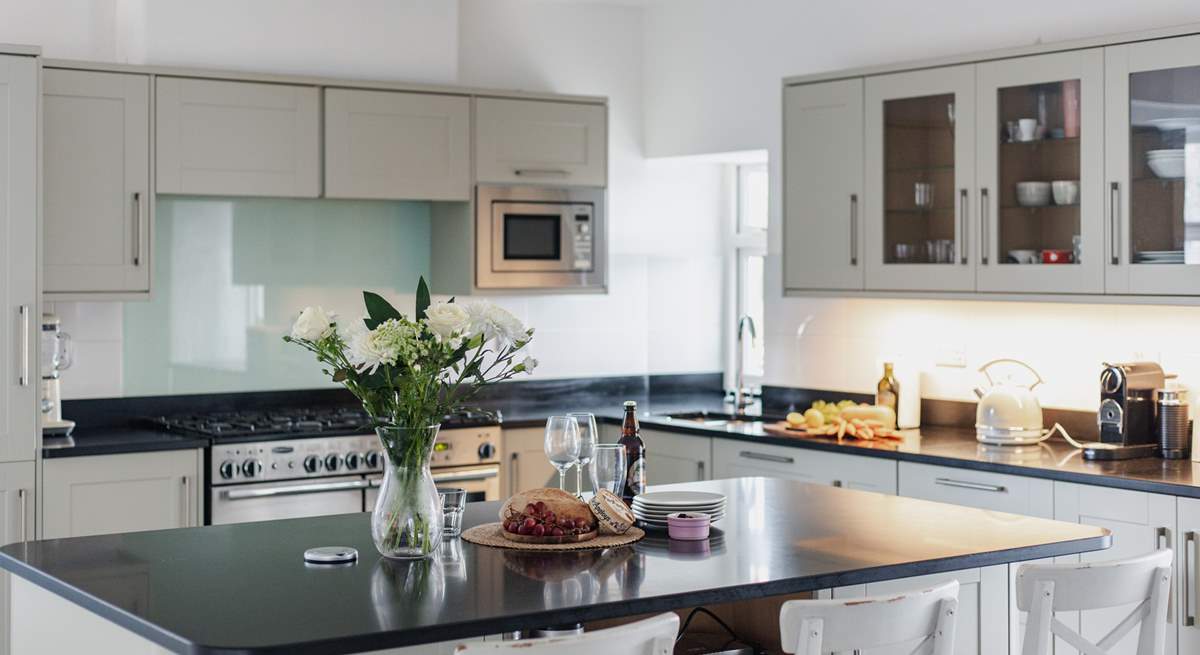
(408,374)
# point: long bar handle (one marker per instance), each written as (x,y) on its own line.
(187,501)
(471,475)
(854,229)
(541,172)
(292,490)
(1114,220)
(700,470)
(23,496)
(983,226)
(26,318)
(1189,539)
(514,469)
(963,210)
(749,454)
(137,228)
(964,484)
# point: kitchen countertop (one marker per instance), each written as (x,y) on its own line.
(244,588)
(117,440)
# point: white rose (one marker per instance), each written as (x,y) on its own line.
(529,363)
(446,319)
(313,324)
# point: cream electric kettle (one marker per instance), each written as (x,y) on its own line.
(1008,413)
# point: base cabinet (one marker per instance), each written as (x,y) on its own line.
(16,524)
(1187,569)
(732,459)
(106,494)
(523,462)
(673,457)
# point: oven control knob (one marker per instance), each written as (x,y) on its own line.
(251,468)
(227,469)
(372,459)
(312,464)
(486,450)
(352,461)
(332,462)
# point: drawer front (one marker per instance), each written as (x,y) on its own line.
(983,489)
(733,458)
(538,142)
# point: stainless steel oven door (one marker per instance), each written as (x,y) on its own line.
(286,500)
(481,482)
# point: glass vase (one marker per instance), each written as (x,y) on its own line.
(407,519)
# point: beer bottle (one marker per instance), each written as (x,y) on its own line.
(635,454)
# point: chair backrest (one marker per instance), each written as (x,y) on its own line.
(652,636)
(1043,589)
(819,627)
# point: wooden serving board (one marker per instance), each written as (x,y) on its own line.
(782,429)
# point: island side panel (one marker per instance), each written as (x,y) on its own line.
(38,620)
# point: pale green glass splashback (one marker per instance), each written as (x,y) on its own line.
(230,274)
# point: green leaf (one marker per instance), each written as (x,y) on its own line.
(378,310)
(423,300)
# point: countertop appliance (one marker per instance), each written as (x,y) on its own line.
(1126,416)
(536,237)
(1008,413)
(56,357)
(296,462)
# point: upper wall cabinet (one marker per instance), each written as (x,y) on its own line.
(540,142)
(1153,167)
(19,379)
(96,185)
(404,146)
(237,138)
(920,174)
(1041,171)
(823,186)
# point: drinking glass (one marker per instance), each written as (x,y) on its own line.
(562,444)
(608,468)
(589,436)
(454,503)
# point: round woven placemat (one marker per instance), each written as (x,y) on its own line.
(491,534)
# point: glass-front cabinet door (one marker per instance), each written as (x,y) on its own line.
(1040,173)
(919,174)
(1153,167)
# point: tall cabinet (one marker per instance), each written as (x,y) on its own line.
(19,377)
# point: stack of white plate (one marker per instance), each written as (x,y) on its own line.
(651,509)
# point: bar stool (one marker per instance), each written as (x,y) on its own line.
(815,627)
(653,636)
(1043,589)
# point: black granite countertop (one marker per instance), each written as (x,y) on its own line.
(118,440)
(244,588)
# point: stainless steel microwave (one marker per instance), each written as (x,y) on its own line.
(540,238)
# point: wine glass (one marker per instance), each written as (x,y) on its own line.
(608,468)
(588,437)
(562,444)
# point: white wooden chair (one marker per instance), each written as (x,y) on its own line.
(653,636)
(819,627)
(1043,589)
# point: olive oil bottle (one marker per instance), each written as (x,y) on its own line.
(887,392)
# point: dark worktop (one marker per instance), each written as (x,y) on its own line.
(118,440)
(245,589)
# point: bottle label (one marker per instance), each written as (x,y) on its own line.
(636,480)
(887,398)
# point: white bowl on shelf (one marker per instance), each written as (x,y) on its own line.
(1167,164)
(1033,194)
(1066,192)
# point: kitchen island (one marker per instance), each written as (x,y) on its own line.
(245,588)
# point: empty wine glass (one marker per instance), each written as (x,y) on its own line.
(608,468)
(562,444)
(588,437)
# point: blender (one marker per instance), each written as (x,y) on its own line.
(56,431)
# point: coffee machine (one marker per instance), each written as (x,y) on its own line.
(56,357)
(1127,415)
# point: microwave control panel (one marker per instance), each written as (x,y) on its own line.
(582,237)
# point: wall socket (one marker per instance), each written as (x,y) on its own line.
(951,357)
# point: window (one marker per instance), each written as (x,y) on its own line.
(749,245)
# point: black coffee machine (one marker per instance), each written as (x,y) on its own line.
(1126,417)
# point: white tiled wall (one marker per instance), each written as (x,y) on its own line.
(96,340)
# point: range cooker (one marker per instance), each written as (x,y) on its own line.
(295,462)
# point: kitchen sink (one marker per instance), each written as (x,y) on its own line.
(713,418)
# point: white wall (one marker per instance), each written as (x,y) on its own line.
(712,80)
(664,215)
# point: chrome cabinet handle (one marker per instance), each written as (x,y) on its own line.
(514,470)
(26,317)
(854,229)
(964,484)
(1114,220)
(837,483)
(983,226)
(1189,539)
(1162,538)
(766,458)
(963,209)
(296,489)
(137,228)
(466,476)
(187,502)
(700,470)
(24,498)
(541,172)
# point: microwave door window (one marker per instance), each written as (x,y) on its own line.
(532,237)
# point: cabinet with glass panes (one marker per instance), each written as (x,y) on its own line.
(919,191)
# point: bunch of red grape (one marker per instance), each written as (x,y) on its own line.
(538,521)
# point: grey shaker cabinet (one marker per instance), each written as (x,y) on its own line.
(540,142)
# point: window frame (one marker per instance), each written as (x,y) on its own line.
(744,242)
